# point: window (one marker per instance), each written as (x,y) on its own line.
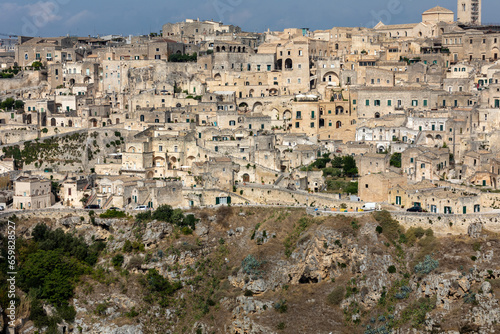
(300,52)
(354,102)
(299,115)
(376,103)
(312,114)
(389,102)
(425,103)
(414,103)
(269,67)
(160,148)
(411,160)
(422,166)
(367,102)
(297,125)
(312,124)
(232,123)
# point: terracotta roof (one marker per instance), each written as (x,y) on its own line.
(438,9)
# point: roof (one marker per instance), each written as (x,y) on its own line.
(382,26)
(440,10)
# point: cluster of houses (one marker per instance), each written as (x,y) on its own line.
(211,114)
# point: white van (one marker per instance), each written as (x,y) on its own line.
(369,207)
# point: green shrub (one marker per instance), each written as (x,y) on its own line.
(281,326)
(426,266)
(157,283)
(336,296)
(250,265)
(248,293)
(476,246)
(186,230)
(117,260)
(391,269)
(390,227)
(416,312)
(281,306)
(113,214)
(143,216)
(291,240)
(132,313)
(101,308)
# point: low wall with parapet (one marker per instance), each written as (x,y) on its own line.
(441,224)
(278,196)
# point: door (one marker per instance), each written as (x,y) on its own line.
(398,200)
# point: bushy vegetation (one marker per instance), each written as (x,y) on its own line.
(48,150)
(180,58)
(10,103)
(345,166)
(291,240)
(343,186)
(117,260)
(250,265)
(396,160)
(336,296)
(416,312)
(389,227)
(113,214)
(50,265)
(426,266)
(281,306)
(166,213)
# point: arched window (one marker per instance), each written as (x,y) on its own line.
(142,118)
(338,125)
(377,115)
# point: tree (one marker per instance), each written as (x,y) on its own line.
(349,167)
(37,65)
(8,103)
(163,213)
(18,104)
(396,160)
(337,162)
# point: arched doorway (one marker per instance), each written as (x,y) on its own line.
(52,122)
(246,178)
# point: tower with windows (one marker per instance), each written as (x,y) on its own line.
(469,12)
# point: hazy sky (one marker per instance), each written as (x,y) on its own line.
(91,17)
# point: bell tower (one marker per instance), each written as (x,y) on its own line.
(469,12)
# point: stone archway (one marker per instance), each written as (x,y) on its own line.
(258,107)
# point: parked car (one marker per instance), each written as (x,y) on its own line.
(415,209)
(141,208)
(2,208)
(92,206)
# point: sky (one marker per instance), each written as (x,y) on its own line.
(133,17)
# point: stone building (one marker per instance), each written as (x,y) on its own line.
(31,193)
